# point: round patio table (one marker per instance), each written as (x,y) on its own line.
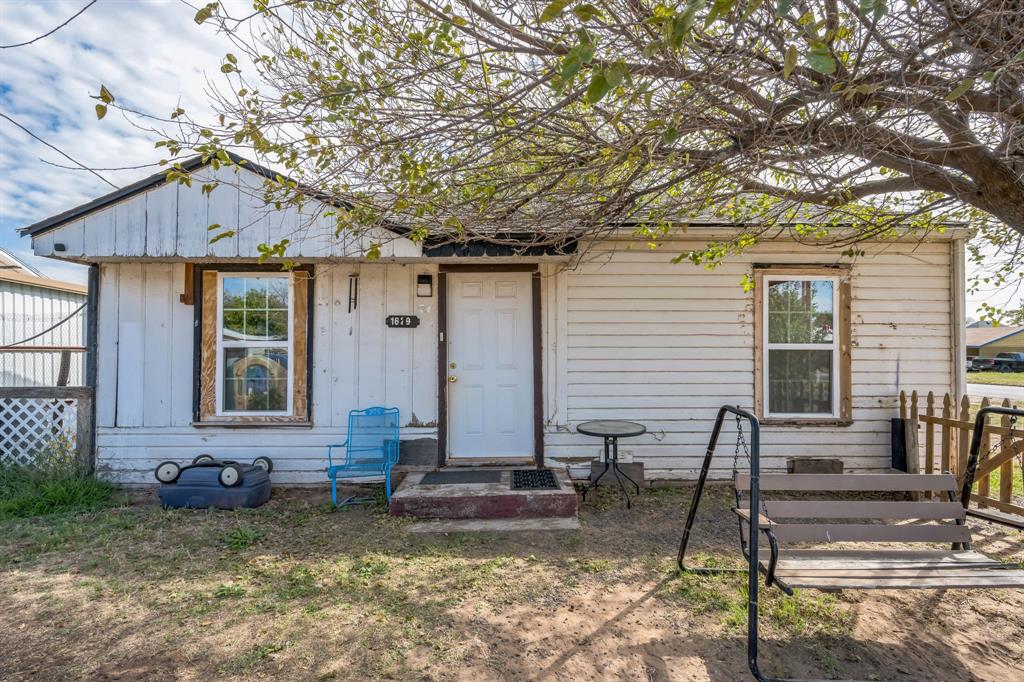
(612,430)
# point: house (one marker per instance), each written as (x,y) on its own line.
(42,327)
(987,342)
(491,356)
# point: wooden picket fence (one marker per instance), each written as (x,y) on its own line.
(947,428)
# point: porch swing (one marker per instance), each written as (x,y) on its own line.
(800,521)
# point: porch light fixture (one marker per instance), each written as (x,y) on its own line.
(424,286)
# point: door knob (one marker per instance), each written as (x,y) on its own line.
(452,378)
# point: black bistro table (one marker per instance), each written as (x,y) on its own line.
(612,430)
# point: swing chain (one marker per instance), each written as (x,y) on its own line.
(741,442)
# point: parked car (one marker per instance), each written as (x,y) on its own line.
(1003,362)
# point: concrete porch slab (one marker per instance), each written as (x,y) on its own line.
(482,500)
(494,525)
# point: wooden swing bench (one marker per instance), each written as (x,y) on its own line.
(940,519)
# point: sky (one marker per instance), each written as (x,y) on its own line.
(149,53)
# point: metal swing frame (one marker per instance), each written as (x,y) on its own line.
(749,543)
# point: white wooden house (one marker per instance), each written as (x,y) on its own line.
(491,357)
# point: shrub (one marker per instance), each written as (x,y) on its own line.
(54,483)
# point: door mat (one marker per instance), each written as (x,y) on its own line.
(534,479)
(450,477)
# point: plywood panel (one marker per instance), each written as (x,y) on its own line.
(223,211)
(131,352)
(398,346)
(99,233)
(130,227)
(181,351)
(371,362)
(253,215)
(344,347)
(423,374)
(157,336)
(107,338)
(193,219)
(162,221)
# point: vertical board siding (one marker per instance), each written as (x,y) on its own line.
(172,220)
(144,394)
(28,310)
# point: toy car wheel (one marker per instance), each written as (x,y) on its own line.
(203,459)
(230,476)
(265,462)
(167,472)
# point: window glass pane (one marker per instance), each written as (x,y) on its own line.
(800,311)
(277,325)
(254,308)
(234,325)
(255,379)
(234,292)
(277,293)
(800,381)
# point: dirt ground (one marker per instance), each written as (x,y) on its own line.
(298,591)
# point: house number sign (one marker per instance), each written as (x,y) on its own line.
(402,321)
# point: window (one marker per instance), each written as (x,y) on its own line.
(802,371)
(253,347)
(254,344)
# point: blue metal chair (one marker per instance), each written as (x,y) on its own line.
(370,450)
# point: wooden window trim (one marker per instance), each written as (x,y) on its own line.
(204,400)
(845,361)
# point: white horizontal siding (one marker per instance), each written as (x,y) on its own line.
(667,344)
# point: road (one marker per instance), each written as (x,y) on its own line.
(1014,393)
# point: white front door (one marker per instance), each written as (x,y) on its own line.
(490,365)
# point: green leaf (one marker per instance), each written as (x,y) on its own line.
(789,63)
(214,226)
(105,95)
(223,235)
(598,88)
(876,7)
(820,59)
(960,90)
(586,12)
(670,135)
(719,9)
(554,10)
(615,73)
(783,6)
(101,111)
(205,12)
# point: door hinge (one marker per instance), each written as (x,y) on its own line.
(440,337)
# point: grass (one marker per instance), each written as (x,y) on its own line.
(295,590)
(996,378)
(56,484)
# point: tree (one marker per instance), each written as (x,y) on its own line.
(527,122)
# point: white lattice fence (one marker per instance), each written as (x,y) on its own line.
(34,420)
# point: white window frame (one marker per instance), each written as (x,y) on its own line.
(222,344)
(834,347)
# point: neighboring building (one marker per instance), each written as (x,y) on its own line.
(491,356)
(987,342)
(30,304)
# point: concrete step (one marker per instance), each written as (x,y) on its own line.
(494,525)
(489,500)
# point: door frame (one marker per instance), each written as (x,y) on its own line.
(442,353)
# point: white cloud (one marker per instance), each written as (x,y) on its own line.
(149,53)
